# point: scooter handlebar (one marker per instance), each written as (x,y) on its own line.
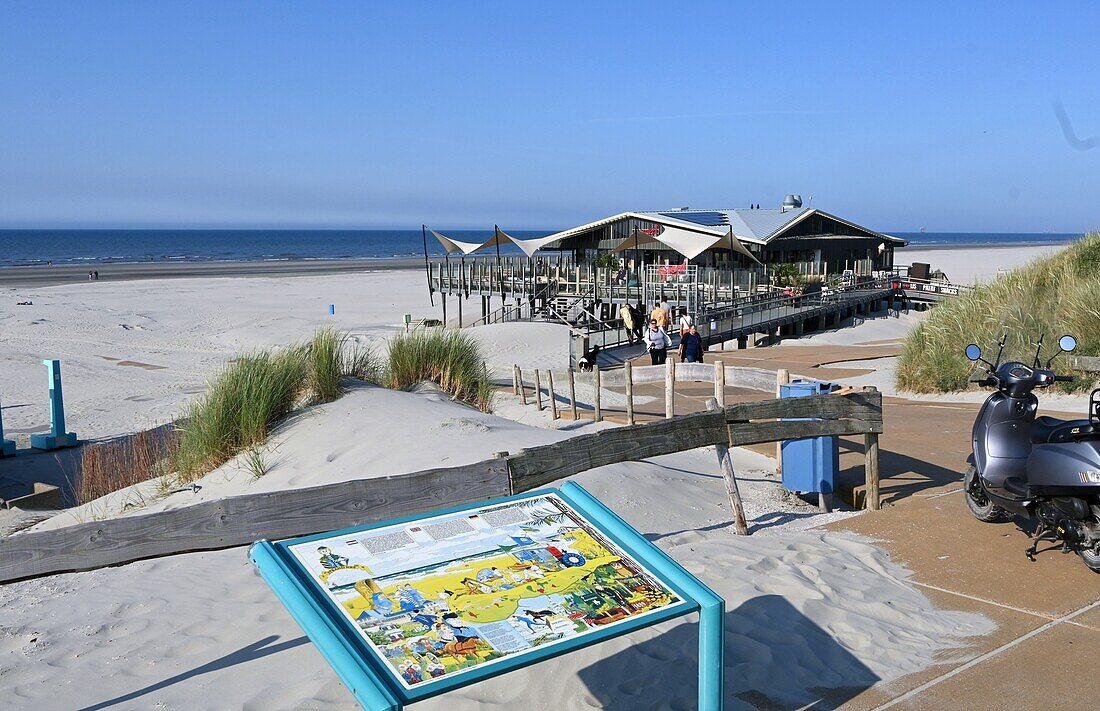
(1064,378)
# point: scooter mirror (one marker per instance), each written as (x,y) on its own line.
(973,352)
(1067,343)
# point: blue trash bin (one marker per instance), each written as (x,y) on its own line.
(809,465)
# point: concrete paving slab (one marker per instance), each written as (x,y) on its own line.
(1011,624)
(1054,669)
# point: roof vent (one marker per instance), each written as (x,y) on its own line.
(792,202)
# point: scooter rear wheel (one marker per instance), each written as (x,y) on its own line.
(977,501)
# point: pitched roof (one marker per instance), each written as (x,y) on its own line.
(759,224)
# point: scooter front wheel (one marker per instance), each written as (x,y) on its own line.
(978,502)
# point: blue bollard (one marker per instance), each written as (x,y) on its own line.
(57,437)
(332,309)
(7,447)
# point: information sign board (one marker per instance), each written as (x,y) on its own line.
(411,608)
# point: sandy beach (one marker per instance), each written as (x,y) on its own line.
(808,609)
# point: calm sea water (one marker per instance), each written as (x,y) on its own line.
(33,247)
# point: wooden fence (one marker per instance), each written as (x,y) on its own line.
(630,375)
(240,520)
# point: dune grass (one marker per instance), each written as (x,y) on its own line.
(1053,296)
(451,359)
(256,391)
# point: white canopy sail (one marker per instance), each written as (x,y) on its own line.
(454,245)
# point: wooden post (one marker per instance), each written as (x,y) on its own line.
(782,377)
(670,388)
(871,473)
(628,372)
(740,525)
(515,379)
(720,383)
(870,442)
(522,390)
(572,394)
(596,398)
(538,390)
(553,398)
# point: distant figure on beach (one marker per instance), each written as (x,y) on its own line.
(627,315)
(95,275)
(691,346)
(659,315)
(657,343)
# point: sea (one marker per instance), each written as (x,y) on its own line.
(103,246)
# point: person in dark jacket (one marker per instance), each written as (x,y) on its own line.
(691,346)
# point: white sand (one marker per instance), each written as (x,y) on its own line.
(966,265)
(201,631)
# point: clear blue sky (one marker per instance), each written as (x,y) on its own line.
(546,115)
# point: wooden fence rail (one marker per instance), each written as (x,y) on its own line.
(240,520)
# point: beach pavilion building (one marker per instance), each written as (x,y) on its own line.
(816,242)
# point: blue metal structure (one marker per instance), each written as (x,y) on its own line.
(57,437)
(362,670)
(809,465)
(7,447)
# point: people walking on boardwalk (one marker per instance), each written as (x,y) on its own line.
(657,343)
(685,323)
(659,315)
(639,319)
(691,346)
(627,315)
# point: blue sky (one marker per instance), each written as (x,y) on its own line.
(543,116)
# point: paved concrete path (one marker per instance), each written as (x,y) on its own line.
(1048,612)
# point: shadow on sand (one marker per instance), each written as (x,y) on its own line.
(257,650)
(775,658)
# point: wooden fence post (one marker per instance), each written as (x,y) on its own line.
(870,454)
(515,379)
(553,397)
(670,388)
(522,389)
(628,372)
(782,377)
(572,393)
(740,525)
(538,390)
(720,383)
(596,398)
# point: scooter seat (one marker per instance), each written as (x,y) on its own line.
(1050,430)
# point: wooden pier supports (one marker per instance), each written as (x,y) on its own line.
(720,383)
(538,390)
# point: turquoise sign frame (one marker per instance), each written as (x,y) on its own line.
(373,682)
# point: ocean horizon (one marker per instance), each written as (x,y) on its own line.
(40,247)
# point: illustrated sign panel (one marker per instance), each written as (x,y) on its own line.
(441,596)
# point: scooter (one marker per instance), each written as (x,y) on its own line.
(1041,468)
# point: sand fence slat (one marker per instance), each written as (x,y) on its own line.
(539,466)
(241,520)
